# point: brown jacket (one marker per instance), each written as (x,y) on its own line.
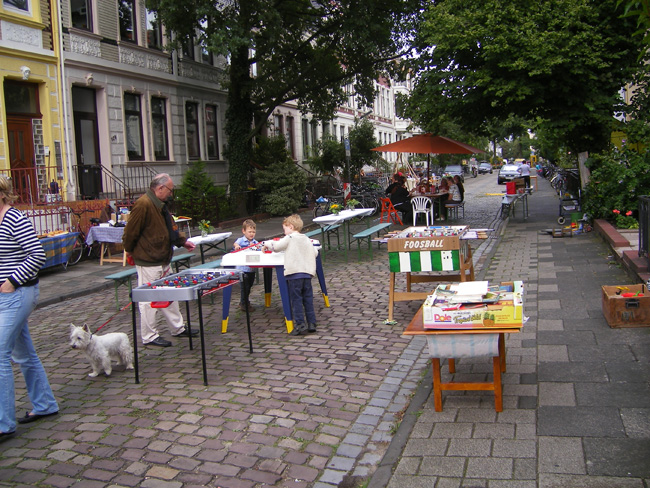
(146,236)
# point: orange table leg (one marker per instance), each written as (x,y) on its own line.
(437,391)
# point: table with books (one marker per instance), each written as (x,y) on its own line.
(468,320)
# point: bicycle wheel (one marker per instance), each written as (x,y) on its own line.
(77,251)
(318,210)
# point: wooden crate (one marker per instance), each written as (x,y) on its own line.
(620,311)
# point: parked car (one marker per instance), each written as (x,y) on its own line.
(508,172)
(453,170)
(484,167)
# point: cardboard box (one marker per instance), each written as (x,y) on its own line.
(506,313)
(626,311)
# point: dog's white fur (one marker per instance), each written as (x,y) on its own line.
(100,350)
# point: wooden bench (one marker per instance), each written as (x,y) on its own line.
(209,265)
(124,277)
(121,278)
(452,209)
(367,235)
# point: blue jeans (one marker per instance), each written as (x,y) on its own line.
(301,295)
(16,344)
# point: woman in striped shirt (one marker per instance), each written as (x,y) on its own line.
(21,256)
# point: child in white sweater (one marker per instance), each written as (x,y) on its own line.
(299,268)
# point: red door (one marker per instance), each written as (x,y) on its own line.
(21,155)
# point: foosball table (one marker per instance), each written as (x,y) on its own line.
(186,286)
(254,257)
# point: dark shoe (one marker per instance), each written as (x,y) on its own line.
(186,333)
(158,341)
(298,330)
(34,417)
(242,307)
(311,328)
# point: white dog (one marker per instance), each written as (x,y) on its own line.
(100,350)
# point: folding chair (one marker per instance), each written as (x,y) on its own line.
(388,212)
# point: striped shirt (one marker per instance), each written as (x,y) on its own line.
(21,253)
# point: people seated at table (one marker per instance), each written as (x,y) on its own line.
(399,197)
(460,186)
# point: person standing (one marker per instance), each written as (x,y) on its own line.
(249,229)
(525,172)
(21,257)
(299,268)
(148,238)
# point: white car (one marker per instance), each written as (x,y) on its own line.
(508,172)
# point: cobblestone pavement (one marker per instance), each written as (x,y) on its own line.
(345,406)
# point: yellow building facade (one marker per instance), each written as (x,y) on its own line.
(31,131)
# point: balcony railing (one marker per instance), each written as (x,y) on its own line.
(34,188)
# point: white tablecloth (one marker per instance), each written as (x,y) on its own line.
(104,234)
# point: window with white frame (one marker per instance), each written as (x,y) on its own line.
(22,5)
(159,129)
(154,31)
(211,131)
(290,137)
(192,130)
(81,14)
(305,138)
(277,129)
(133,127)
(126,9)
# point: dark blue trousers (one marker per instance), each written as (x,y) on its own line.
(301,295)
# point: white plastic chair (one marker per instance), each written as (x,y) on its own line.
(422,205)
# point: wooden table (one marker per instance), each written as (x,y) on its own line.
(211,241)
(106,235)
(343,218)
(416,327)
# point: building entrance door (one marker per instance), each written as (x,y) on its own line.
(89,174)
(21,156)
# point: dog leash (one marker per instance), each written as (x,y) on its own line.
(113,316)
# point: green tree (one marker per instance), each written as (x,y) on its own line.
(362,140)
(559,62)
(329,155)
(198,197)
(301,50)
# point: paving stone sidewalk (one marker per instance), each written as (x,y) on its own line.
(333,408)
(576,392)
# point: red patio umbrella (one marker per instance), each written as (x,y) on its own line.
(429,144)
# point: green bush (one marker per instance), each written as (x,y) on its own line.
(279,181)
(199,198)
(618,178)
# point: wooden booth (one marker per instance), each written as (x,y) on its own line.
(427,255)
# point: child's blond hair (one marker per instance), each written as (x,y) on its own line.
(295,221)
(248,223)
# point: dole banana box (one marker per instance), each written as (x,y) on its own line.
(507,312)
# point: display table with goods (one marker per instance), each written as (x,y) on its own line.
(58,247)
(469,320)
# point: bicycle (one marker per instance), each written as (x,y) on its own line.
(80,248)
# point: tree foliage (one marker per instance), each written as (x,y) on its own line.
(300,50)
(560,63)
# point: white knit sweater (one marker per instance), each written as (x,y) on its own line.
(299,253)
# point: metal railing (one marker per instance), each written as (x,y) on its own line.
(58,216)
(125,182)
(644,225)
(35,185)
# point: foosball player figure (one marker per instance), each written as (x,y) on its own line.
(247,239)
(299,268)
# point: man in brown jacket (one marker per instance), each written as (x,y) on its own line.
(148,239)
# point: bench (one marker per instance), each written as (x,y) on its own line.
(452,209)
(367,235)
(209,265)
(324,232)
(124,277)
(121,278)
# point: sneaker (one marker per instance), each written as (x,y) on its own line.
(298,330)
(311,328)
(186,333)
(158,341)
